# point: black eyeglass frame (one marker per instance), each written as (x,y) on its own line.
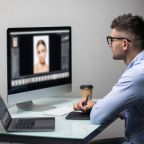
(109,39)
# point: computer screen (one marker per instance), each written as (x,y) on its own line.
(38,62)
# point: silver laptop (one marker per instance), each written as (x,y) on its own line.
(24,124)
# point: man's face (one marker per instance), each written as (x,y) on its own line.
(117,45)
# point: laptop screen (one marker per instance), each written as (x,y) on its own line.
(4,114)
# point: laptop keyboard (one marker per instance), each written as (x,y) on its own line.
(24,123)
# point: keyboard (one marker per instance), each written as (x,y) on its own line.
(24,123)
(59,111)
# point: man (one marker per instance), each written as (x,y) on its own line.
(126,99)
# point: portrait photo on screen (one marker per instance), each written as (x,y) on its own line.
(41,54)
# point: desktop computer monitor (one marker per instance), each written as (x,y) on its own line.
(38,63)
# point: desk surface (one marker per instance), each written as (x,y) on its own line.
(66,131)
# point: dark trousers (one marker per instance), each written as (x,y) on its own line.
(119,140)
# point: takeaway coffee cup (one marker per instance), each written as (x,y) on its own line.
(86,90)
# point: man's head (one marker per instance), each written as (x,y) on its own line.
(127,34)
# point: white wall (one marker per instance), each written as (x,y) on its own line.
(90,21)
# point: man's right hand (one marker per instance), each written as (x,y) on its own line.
(85,108)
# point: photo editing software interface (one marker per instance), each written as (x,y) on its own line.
(38,58)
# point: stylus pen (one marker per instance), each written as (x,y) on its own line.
(86,100)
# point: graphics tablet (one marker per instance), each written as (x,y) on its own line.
(78,115)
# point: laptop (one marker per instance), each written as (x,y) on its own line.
(28,124)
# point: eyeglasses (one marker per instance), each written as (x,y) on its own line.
(110,39)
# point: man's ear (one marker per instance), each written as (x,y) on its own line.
(125,44)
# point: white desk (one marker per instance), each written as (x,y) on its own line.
(66,131)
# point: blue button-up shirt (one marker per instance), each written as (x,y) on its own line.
(127,98)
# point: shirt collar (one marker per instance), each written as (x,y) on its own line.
(137,59)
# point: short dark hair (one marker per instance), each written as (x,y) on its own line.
(131,24)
